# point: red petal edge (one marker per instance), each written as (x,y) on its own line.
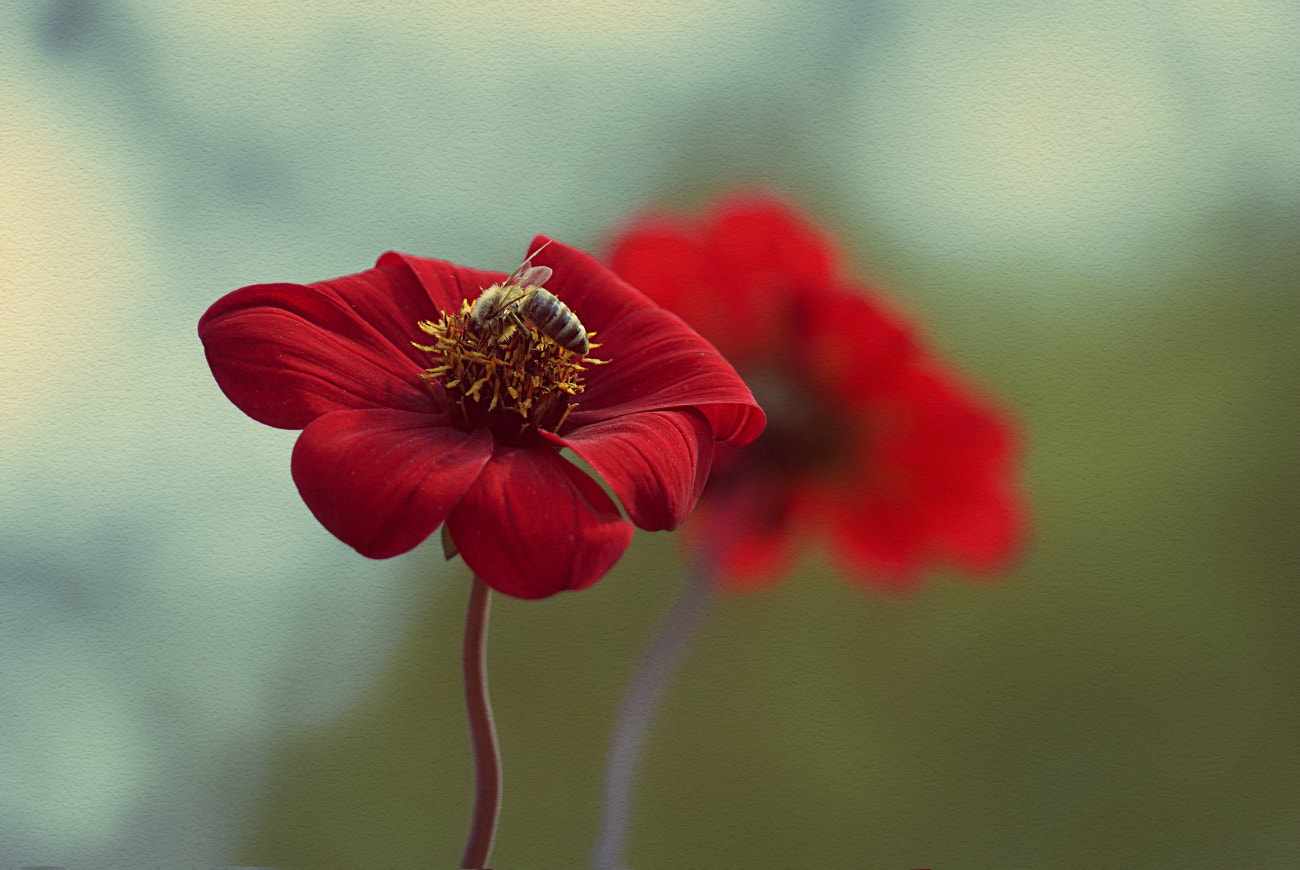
(533,524)
(656,462)
(381,481)
(285,354)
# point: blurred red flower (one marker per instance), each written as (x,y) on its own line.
(871,443)
(400,437)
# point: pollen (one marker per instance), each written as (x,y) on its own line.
(514,380)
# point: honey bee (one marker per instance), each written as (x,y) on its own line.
(521,300)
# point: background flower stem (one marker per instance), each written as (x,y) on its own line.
(487,754)
(646,689)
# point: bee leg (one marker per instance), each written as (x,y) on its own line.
(519,321)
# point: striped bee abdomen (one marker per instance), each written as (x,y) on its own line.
(553,319)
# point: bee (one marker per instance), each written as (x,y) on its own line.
(521,300)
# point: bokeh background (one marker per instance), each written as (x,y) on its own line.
(1093,209)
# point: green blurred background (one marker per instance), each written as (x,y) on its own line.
(1093,211)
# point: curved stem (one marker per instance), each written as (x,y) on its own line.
(643,695)
(487,755)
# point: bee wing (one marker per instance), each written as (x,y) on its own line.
(520,284)
(530,276)
(512,294)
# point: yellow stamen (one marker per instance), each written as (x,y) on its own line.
(511,371)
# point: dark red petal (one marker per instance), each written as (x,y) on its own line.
(857,348)
(656,462)
(984,535)
(926,472)
(657,362)
(533,524)
(881,544)
(667,263)
(665,260)
(381,481)
(952,437)
(931,484)
(755,525)
(287,353)
(769,262)
(771,244)
(758,561)
(443,286)
(736,275)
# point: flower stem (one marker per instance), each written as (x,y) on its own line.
(643,695)
(487,754)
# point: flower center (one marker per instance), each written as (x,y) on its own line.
(512,380)
(804,438)
(803,433)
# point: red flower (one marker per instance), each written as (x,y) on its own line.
(400,437)
(870,443)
